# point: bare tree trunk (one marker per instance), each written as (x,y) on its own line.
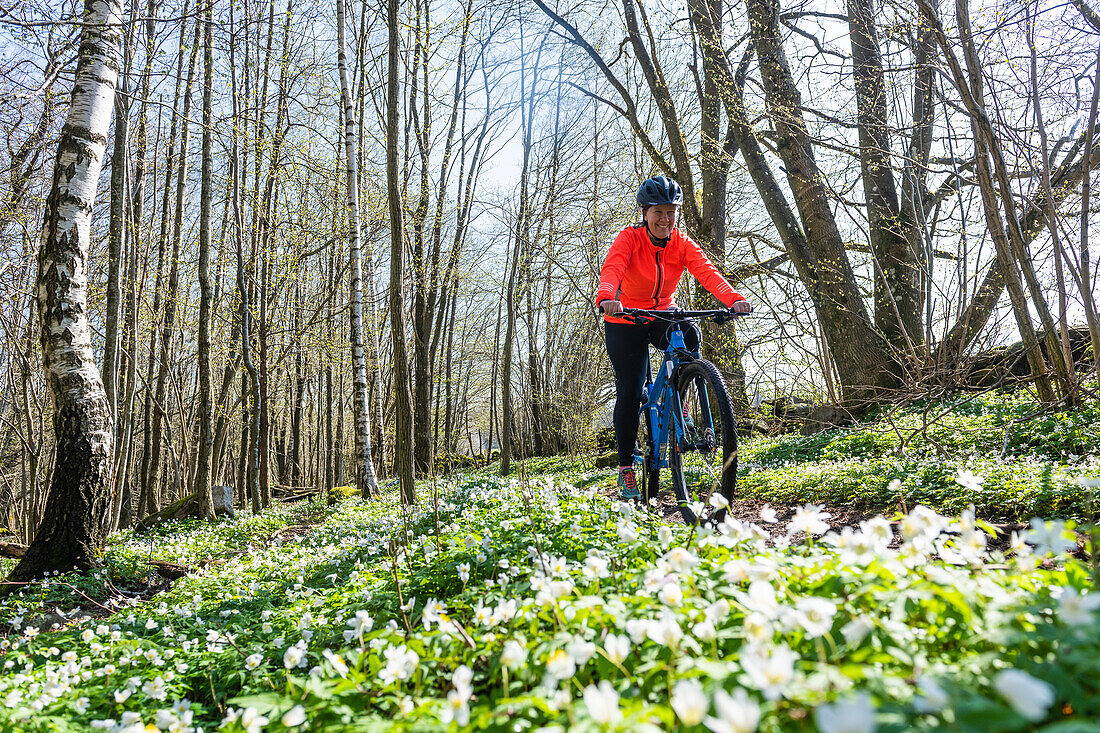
(914,189)
(250,442)
(436,305)
(150,461)
(449,280)
(518,273)
(403,433)
(421,318)
(506,437)
(203,489)
(330,445)
(366,481)
(120,164)
(449,441)
(263,407)
(124,510)
(76,516)
(985,145)
(898,293)
(125,433)
(983,128)
(374,370)
(863,364)
(1086,267)
(535,385)
(1052,219)
(493,381)
(372,316)
(116,238)
(220,469)
(338,453)
(151,497)
(296,436)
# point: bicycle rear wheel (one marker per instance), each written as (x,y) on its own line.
(703,460)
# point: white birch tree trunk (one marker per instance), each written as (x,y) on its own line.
(75,521)
(365,478)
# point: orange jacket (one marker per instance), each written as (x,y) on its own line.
(639,274)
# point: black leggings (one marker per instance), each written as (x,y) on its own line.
(628,348)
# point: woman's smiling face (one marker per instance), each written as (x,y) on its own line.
(661,220)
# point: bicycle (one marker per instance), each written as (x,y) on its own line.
(678,421)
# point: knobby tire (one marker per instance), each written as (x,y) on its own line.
(720,457)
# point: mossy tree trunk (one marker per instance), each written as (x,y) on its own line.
(898,294)
(205,447)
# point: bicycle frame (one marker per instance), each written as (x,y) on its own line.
(662,417)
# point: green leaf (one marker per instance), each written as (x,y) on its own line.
(1070,726)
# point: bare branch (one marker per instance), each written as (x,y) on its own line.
(630,110)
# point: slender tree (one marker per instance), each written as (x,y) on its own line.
(150,458)
(203,490)
(365,478)
(117,231)
(250,442)
(403,434)
(151,495)
(1085,267)
(116,237)
(518,273)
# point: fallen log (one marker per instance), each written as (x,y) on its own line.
(12,550)
(1006,366)
(287,493)
(176,510)
(170,570)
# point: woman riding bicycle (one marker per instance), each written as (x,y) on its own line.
(642,269)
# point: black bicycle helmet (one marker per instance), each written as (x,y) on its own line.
(660,191)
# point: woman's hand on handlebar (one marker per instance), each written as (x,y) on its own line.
(741,308)
(611,307)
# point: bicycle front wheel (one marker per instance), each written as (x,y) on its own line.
(703,458)
(650,477)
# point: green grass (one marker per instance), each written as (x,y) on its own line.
(541,563)
(586,593)
(1031,461)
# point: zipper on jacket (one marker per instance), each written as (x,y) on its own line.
(660,273)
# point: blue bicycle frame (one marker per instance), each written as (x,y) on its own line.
(661,417)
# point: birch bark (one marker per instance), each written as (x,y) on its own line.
(74,524)
(365,478)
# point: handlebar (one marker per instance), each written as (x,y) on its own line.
(640,315)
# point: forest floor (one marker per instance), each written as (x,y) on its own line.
(911,595)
